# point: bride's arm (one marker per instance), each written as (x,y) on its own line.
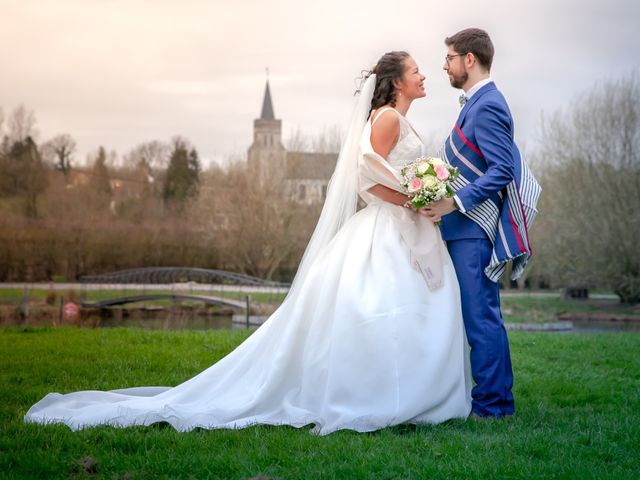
(389,195)
(384,136)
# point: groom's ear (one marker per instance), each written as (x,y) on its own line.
(473,61)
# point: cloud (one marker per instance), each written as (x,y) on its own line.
(118,73)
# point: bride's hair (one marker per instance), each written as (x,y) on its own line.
(389,68)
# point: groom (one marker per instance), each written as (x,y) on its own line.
(481,145)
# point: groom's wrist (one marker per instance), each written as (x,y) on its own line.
(457,204)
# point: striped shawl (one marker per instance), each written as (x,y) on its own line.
(505,217)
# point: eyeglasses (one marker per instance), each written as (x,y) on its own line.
(448,58)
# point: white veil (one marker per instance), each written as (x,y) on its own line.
(342,191)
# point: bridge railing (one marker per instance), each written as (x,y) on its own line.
(166,275)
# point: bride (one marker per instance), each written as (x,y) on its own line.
(371,332)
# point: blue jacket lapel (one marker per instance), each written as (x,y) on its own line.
(467,106)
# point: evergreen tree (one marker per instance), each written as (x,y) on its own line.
(24,174)
(183,175)
(100,182)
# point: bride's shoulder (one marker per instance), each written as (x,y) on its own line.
(385,119)
(385,112)
(385,130)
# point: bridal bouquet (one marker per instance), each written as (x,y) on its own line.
(427,180)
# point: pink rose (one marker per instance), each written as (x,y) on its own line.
(441,172)
(415,185)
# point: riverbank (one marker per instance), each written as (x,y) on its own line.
(534,311)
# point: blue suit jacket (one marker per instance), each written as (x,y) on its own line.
(486,126)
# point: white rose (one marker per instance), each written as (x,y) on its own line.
(422,168)
(430,181)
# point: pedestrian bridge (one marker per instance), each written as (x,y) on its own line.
(166,275)
(176,297)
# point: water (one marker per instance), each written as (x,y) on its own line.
(164,322)
(600,327)
(225,322)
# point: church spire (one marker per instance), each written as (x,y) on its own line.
(267,106)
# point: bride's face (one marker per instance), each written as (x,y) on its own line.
(412,84)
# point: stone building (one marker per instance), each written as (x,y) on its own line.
(305,175)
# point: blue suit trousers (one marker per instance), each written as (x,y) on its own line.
(490,358)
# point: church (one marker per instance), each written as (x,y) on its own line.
(304,174)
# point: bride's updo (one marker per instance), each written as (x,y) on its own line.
(389,68)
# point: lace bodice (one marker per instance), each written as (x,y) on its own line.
(409,145)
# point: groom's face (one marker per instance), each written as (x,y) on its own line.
(455,68)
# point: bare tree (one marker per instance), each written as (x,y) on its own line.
(149,161)
(154,154)
(61,149)
(255,226)
(329,140)
(21,124)
(114,160)
(589,167)
(297,141)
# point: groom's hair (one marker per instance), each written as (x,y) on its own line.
(473,40)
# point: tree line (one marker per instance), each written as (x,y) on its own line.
(588,163)
(155,206)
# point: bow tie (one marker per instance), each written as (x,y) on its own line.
(463,99)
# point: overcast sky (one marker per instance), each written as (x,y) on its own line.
(119,73)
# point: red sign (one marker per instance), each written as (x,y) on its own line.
(71,311)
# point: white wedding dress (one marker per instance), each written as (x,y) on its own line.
(363,344)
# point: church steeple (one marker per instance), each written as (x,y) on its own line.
(267,106)
(266,154)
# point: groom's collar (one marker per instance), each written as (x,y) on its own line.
(473,90)
(485,87)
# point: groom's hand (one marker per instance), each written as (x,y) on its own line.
(423,211)
(436,210)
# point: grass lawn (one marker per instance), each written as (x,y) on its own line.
(578,416)
(537,309)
